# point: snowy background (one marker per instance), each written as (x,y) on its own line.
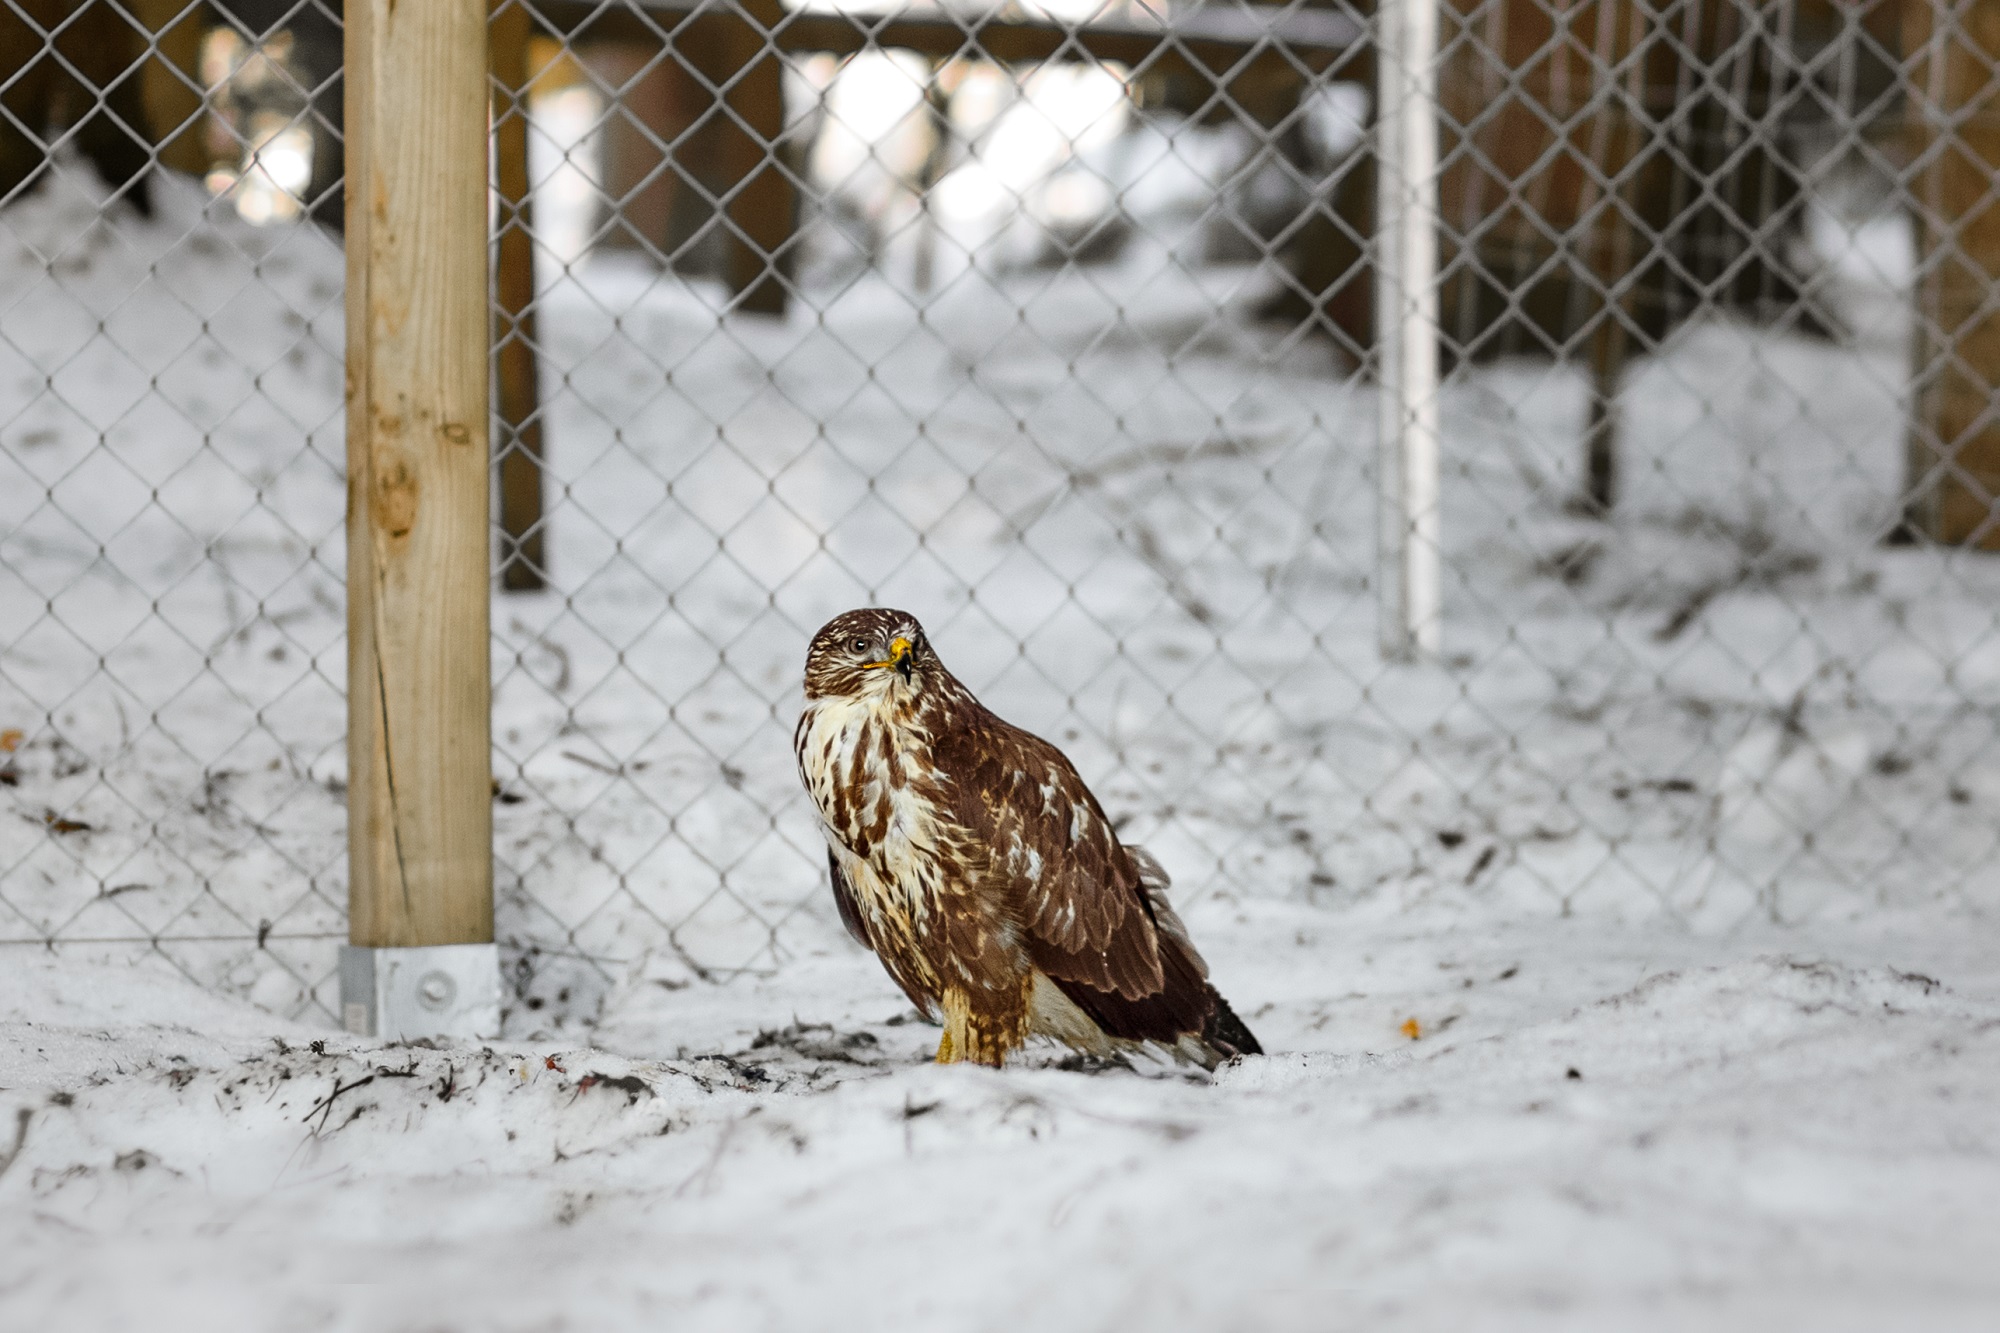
(1631,968)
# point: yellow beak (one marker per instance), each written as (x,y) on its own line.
(898,659)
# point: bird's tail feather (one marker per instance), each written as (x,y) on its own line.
(1223,1035)
(1226,1034)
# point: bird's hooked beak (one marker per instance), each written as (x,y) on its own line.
(897,661)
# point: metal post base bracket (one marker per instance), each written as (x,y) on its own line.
(441,990)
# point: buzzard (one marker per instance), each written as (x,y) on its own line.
(969,856)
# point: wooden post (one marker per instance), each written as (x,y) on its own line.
(170,82)
(523,557)
(650,105)
(1952,492)
(763,207)
(419,797)
(72,61)
(1614,140)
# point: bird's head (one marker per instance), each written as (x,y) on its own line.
(870,652)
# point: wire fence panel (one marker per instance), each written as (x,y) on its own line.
(170,443)
(1056,328)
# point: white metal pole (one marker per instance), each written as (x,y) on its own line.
(1406,329)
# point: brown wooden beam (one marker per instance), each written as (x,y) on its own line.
(1216,42)
(523,552)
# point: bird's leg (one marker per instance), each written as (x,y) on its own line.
(955,1045)
(970,1047)
(964,1041)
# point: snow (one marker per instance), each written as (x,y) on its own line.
(1780,1129)
(1702,805)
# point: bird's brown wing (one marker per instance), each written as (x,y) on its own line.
(843,898)
(1086,916)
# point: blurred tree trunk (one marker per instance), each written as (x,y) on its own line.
(1954,441)
(646,168)
(1588,143)
(170,81)
(72,72)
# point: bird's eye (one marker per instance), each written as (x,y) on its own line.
(859,645)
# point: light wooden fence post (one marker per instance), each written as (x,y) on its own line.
(420,841)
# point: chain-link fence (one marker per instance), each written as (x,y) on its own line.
(1056,328)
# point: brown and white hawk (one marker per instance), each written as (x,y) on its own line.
(971,858)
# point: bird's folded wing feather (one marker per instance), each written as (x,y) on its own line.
(1056,856)
(843,897)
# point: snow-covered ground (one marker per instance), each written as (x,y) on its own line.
(1602,1128)
(1702,805)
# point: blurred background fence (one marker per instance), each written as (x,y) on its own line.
(1054,326)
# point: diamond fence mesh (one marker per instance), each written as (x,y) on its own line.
(1055,327)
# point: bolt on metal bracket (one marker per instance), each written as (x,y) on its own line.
(440,990)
